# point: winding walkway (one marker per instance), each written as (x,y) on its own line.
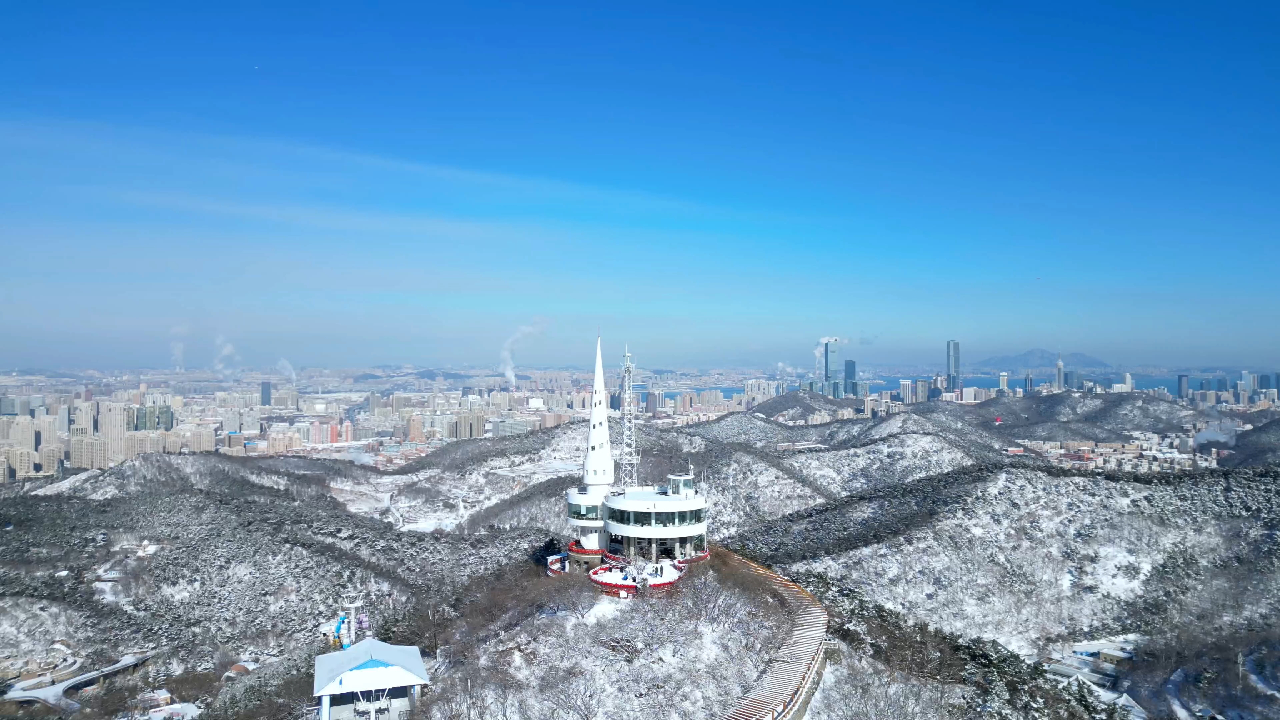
(783,692)
(52,695)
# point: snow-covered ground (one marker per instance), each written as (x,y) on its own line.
(896,458)
(681,656)
(1027,557)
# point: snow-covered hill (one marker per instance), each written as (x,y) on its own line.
(1256,447)
(1022,555)
(184,552)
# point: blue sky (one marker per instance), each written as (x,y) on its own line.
(719,185)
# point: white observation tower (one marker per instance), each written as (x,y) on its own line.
(630,535)
(585,501)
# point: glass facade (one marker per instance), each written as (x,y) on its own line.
(648,519)
(584,512)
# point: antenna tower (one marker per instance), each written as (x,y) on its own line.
(628,459)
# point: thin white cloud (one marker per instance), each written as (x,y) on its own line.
(111,140)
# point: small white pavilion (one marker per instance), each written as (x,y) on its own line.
(370,680)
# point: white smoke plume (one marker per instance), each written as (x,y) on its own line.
(817,349)
(177,347)
(286,368)
(508,364)
(226,354)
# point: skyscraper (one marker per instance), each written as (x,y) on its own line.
(906,388)
(1004,381)
(1071,380)
(112,422)
(1058,380)
(1184,387)
(827,352)
(266,393)
(1028,384)
(953,365)
(850,377)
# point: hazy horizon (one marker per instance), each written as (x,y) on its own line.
(343,190)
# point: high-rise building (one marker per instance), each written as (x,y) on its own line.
(1246,381)
(1184,387)
(1264,381)
(417,432)
(22,460)
(1028,384)
(112,425)
(50,457)
(47,427)
(266,393)
(1004,381)
(1059,382)
(1222,385)
(953,365)
(922,390)
(850,377)
(1206,385)
(906,388)
(23,433)
(1128,382)
(1071,380)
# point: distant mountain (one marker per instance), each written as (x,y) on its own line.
(1039,358)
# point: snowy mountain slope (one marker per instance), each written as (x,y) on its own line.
(197,559)
(1078,416)
(685,656)
(1256,447)
(745,489)
(895,459)
(475,474)
(1022,555)
(800,404)
(753,429)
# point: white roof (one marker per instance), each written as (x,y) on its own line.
(368,665)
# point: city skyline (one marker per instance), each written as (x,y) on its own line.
(728,192)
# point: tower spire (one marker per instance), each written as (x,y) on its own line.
(597,465)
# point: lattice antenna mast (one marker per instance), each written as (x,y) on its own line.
(629,458)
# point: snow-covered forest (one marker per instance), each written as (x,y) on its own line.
(948,567)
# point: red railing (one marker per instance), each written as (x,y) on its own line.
(576,549)
(613,588)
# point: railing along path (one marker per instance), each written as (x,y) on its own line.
(792,675)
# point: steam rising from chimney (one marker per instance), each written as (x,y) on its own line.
(508,364)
